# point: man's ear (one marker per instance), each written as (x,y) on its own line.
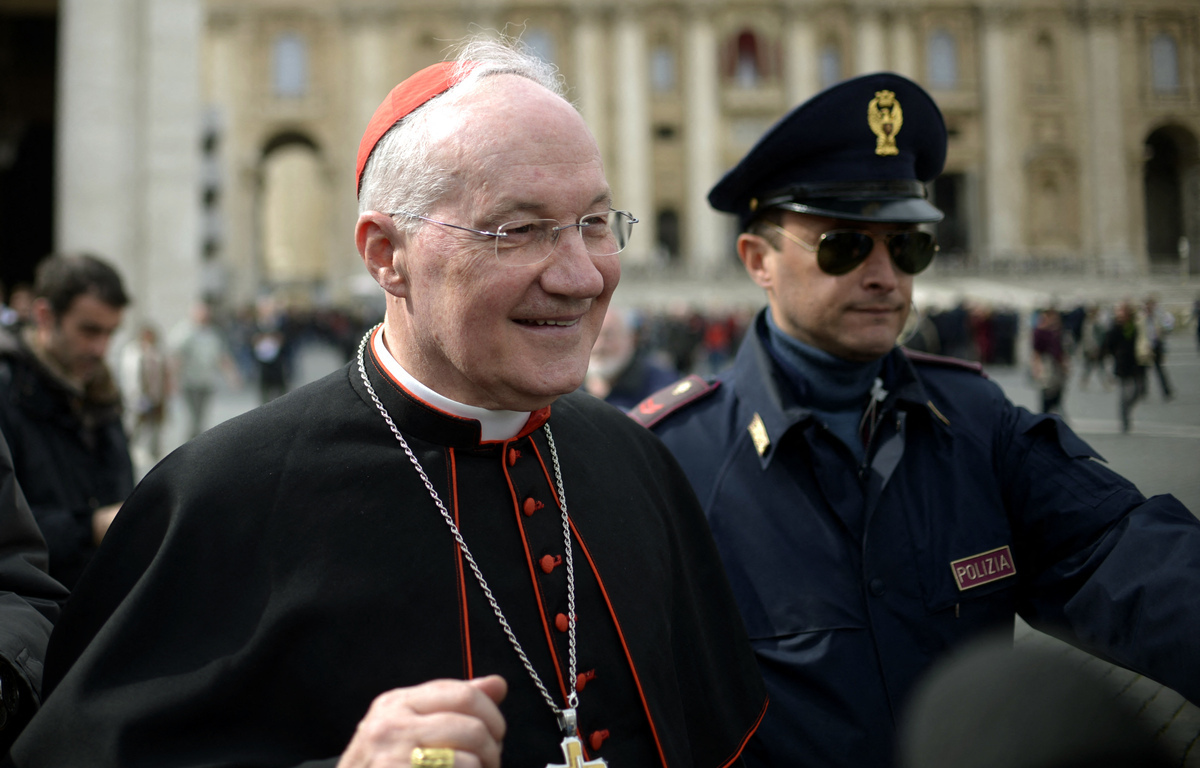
(43,314)
(755,252)
(381,246)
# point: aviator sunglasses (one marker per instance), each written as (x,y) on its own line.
(841,250)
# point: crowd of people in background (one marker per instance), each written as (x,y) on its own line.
(1116,345)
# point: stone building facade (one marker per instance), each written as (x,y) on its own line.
(228,166)
(1074,125)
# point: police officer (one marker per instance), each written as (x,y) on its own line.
(876,508)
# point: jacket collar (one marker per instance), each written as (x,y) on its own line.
(771,394)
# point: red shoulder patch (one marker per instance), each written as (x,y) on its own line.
(946,362)
(671,398)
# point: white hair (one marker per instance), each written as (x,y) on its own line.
(407,171)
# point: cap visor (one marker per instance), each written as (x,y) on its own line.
(908,210)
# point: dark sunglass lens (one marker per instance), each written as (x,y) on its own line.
(912,251)
(840,252)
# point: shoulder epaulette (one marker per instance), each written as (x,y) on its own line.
(946,362)
(671,398)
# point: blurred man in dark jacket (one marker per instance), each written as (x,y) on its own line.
(60,409)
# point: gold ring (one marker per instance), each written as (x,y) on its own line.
(432,757)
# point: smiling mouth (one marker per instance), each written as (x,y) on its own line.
(561,323)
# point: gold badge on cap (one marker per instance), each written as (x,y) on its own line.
(885,118)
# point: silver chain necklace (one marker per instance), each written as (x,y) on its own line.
(566,716)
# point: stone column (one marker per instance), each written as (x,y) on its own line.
(226,89)
(1108,193)
(170,252)
(634,186)
(590,84)
(99,131)
(871,52)
(375,46)
(1003,170)
(801,77)
(904,45)
(704,239)
(128,145)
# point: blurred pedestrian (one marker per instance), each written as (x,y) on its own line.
(1129,348)
(146,382)
(270,344)
(1158,323)
(200,358)
(1091,343)
(60,409)
(18,310)
(1196,319)
(1048,361)
(619,371)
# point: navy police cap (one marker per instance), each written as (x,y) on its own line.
(861,150)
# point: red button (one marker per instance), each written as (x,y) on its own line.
(581,680)
(562,622)
(513,455)
(596,739)
(530,506)
(550,562)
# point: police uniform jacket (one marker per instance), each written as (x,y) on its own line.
(852,580)
(270,578)
(69,449)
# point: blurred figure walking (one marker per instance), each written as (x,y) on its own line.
(1158,323)
(1091,341)
(201,356)
(1048,364)
(146,384)
(1131,353)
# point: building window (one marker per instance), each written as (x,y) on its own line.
(1045,63)
(831,64)
(748,72)
(943,60)
(668,234)
(290,66)
(1164,63)
(541,43)
(662,69)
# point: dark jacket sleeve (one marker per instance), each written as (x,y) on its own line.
(28,602)
(1106,568)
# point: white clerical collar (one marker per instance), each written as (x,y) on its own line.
(494,425)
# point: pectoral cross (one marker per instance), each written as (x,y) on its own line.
(572,747)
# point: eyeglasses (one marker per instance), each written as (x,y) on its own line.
(841,250)
(530,241)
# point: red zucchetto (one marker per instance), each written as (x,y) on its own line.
(403,99)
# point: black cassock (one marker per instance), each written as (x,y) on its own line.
(267,580)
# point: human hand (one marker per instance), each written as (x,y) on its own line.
(451,714)
(101,519)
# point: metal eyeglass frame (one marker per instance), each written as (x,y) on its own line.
(498,236)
